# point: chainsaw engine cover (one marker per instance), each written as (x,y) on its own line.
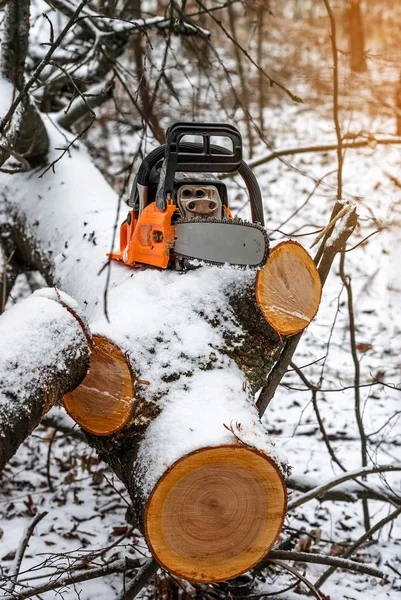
(195,194)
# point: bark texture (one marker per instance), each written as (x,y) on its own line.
(44,354)
(356,37)
(26,136)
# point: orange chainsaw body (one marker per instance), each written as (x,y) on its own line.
(147,239)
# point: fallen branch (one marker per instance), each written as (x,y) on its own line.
(141,579)
(116,566)
(344,493)
(334,240)
(322,559)
(301,577)
(325,487)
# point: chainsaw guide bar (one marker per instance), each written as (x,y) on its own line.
(220,241)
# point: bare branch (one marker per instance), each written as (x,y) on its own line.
(327,252)
(322,559)
(370,142)
(325,487)
(248,56)
(26,536)
(301,577)
(34,78)
(115,566)
(83,104)
(140,580)
(351,492)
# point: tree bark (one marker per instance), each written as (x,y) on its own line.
(26,135)
(356,37)
(44,354)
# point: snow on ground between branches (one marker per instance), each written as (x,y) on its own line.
(35,350)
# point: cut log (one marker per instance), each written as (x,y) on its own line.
(199,348)
(43,354)
(215,513)
(103,403)
(288,288)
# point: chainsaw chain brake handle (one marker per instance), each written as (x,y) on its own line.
(179,155)
(206,160)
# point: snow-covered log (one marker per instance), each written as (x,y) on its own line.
(205,479)
(43,354)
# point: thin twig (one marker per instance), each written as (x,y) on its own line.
(248,56)
(116,566)
(295,572)
(26,536)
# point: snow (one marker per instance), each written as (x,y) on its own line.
(198,415)
(24,361)
(6,96)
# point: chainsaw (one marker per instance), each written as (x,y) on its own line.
(180,208)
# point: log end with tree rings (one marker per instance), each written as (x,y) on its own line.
(215,513)
(288,288)
(103,403)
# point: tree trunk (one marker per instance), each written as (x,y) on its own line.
(44,354)
(356,37)
(26,136)
(196,348)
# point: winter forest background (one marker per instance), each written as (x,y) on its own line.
(103,94)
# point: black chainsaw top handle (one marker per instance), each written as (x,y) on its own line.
(205,157)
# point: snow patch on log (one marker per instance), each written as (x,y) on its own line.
(43,354)
(212,410)
(6,95)
(27,352)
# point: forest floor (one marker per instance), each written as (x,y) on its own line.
(57,472)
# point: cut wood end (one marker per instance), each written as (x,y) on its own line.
(288,288)
(103,403)
(215,513)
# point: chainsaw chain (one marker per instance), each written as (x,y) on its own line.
(229,222)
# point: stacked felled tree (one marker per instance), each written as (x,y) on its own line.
(178,357)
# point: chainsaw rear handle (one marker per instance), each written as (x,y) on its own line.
(203,161)
(190,148)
